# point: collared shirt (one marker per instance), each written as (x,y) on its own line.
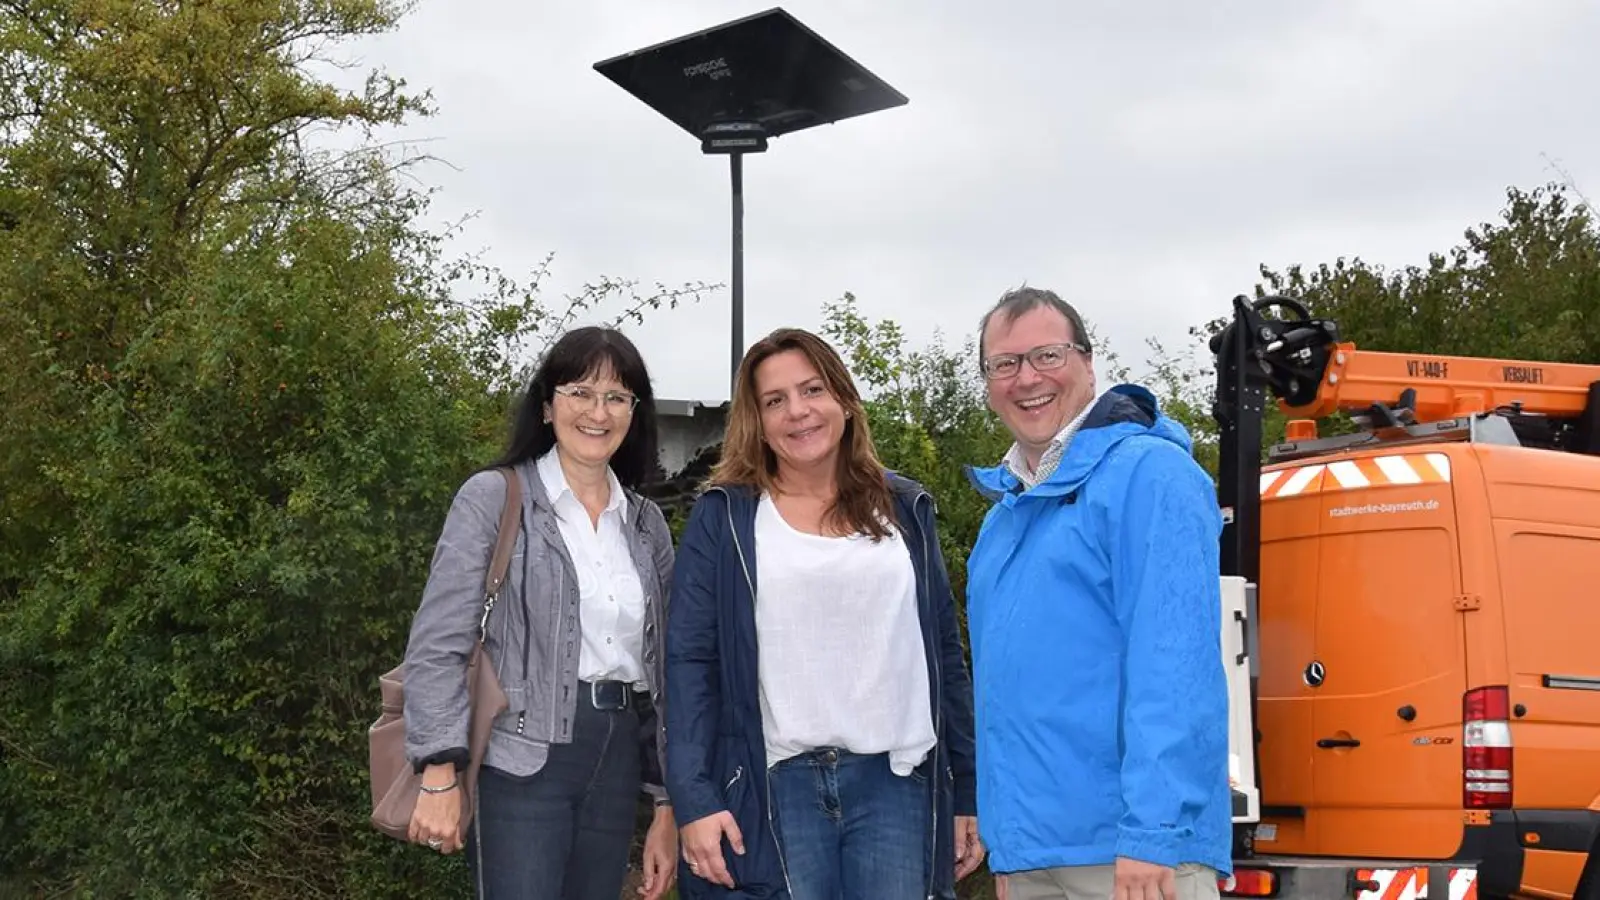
(611,607)
(1017,463)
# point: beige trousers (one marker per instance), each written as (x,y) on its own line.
(1195,882)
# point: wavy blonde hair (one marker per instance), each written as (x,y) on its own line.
(863,504)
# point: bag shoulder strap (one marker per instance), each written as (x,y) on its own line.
(510,522)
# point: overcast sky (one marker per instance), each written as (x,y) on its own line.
(1143,159)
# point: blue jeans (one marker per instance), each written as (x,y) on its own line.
(848,828)
(563,833)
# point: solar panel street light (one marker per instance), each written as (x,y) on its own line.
(736,86)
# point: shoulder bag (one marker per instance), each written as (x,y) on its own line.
(395,784)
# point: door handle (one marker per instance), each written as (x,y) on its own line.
(1327,743)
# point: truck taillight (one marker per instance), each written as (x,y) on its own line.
(1486,748)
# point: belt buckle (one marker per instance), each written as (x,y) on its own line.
(620,703)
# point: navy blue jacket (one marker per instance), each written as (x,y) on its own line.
(715,746)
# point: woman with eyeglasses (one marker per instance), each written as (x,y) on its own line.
(576,641)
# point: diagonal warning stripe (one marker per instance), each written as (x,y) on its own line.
(1353,474)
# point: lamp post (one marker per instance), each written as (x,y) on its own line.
(737,85)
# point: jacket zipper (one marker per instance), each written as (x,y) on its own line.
(938,705)
(766,776)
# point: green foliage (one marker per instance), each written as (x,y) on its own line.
(1527,287)
(250,515)
(241,387)
(1183,383)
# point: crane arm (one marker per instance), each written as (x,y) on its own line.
(1313,374)
(1445,387)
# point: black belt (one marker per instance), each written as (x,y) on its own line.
(609,696)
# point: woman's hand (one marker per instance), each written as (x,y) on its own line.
(436,822)
(969,849)
(702,846)
(660,855)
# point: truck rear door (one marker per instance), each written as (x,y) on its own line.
(1388,669)
(1286,615)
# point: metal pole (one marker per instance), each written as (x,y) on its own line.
(736,167)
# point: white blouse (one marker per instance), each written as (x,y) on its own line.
(611,607)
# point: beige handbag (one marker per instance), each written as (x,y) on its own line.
(395,785)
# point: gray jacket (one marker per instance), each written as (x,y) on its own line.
(533,634)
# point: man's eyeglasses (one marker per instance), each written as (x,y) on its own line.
(1043,358)
(618,402)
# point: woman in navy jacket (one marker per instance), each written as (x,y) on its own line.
(819,733)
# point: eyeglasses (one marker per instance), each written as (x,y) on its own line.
(618,402)
(1043,358)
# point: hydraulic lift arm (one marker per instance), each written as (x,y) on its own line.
(1423,388)
(1256,354)
(1311,374)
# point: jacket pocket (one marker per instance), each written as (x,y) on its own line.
(727,789)
(513,721)
(740,797)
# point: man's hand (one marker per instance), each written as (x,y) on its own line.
(1136,880)
(702,846)
(969,849)
(660,856)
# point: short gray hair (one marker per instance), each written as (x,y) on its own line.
(1018,301)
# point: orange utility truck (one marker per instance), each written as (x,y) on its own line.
(1413,618)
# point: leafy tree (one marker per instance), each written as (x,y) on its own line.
(241,387)
(1527,287)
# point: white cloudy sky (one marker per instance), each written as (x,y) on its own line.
(1142,158)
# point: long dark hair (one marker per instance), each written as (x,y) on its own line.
(864,500)
(580,353)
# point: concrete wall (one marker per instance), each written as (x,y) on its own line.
(686,428)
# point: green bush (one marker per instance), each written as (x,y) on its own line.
(241,387)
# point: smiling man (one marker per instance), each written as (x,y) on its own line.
(1094,605)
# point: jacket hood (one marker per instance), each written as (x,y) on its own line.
(1124,411)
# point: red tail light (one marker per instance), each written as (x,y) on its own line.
(1486,748)
(1249,883)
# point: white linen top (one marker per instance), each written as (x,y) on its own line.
(841,654)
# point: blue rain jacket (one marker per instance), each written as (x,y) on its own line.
(1094,608)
